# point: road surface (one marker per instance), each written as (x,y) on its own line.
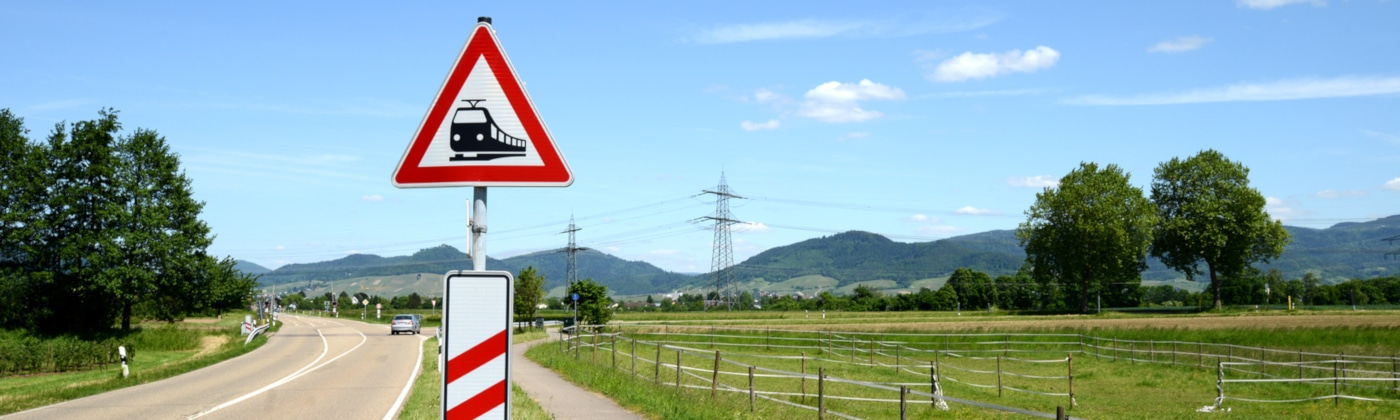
(314,367)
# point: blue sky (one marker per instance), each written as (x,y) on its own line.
(917,120)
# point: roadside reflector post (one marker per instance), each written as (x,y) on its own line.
(121,350)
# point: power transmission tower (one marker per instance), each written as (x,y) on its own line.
(571,270)
(721,266)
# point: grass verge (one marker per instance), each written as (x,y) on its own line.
(26,392)
(425,400)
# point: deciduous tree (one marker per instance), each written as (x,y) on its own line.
(1209,214)
(1091,231)
(529,288)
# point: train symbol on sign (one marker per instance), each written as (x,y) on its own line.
(475,135)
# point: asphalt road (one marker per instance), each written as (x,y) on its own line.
(312,368)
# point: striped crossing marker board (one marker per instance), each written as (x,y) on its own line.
(476,322)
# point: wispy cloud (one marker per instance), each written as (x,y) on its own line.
(1339,194)
(970,65)
(753,126)
(1180,44)
(372,198)
(990,93)
(908,25)
(1038,181)
(1270,4)
(1283,90)
(751,227)
(973,211)
(838,102)
(854,135)
(1389,138)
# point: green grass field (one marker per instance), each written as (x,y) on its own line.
(164,350)
(1145,379)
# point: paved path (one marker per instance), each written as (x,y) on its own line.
(558,397)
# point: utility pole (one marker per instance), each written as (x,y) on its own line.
(571,263)
(721,266)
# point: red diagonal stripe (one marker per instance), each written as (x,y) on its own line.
(471,359)
(480,404)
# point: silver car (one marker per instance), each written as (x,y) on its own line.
(405,323)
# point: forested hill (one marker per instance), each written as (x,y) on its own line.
(621,276)
(250,267)
(860,256)
(438,259)
(1338,253)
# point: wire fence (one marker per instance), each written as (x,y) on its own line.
(811,371)
(808,369)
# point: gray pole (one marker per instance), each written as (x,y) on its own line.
(478,228)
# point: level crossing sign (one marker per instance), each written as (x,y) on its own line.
(481,129)
(476,321)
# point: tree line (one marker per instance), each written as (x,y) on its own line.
(99,227)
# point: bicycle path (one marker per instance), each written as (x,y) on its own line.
(559,397)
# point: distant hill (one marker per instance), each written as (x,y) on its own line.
(836,262)
(249,267)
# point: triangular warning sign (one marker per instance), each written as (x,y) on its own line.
(482,130)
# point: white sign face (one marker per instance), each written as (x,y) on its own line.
(476,320)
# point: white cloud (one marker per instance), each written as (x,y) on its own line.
(1276,91)
(1339,194)
(1038,181)
(1180,44)
(837,102)
(375,197)
(1269,4)
(751,227)
(924,218)
(279,248)
(907,25)
(766,96)
(973,211)
(753,126)
(969,65)
(1280,209)
(1393,185)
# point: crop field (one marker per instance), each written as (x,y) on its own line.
(1316,365)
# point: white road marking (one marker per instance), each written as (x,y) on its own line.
(299,373)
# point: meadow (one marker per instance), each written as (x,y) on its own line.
(991,366)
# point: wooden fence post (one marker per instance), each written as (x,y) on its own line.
(751,389)
(658,363)
(804,377)
(1336,391)
(872,353)
(1394,374)
(594,350)
(903,407)
(612,340)
(821,391)
(1070,357)
(933,382)
(714,379)
(998,376)
(634,357)
(678,370)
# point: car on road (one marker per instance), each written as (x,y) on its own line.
(405,323)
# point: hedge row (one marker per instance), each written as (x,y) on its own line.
(30,355)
